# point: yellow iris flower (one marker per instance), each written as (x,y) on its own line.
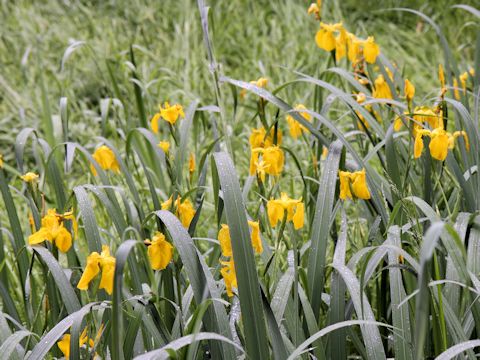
(29,177)
(165,146)
(296,129)
(105,157)
(183,210)
(440,142)
(160,251)
(53,230)
(272,162)
(169,113)
(325,37)
(96,262)
(293,208)
(353,183)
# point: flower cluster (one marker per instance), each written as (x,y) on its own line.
(266,156)
(334,37)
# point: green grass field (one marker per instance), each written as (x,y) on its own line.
(296,198)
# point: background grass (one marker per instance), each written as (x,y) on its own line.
(251,38)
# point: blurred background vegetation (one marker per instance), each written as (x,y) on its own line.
(81,50)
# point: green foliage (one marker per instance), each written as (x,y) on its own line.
(394,274)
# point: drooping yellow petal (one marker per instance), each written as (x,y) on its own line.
(167,204)
(359,185)
(275,212)
(154,123)
(409,90)
(160,252)
(255,236)
(40,236)
(370,50)
(185,212)
(273,157)
(229,276)
(64,345)
(1,161)
(441,75)
(325,39)
(418,145)
(295,127)
(191,163)
(225,240)
(381,90)
(108,273)
(439,144)
(63,240)
(463,80)
(91,270)
(345,192)
(299,216)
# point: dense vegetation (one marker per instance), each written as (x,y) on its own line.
(247,179)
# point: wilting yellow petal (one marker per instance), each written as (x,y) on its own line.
(40,236)
(299,217)
(370,50)
(345,192)
(64,345)
(275,212)
(91,270)
(160,252)
(409,90)
(185,212)
(63,240)
(154,123)
(439,144)
(381,90)
(255,236)
(325,39)
(191,163)
(274,159)
(229,276)
(225,240)
(108,272)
